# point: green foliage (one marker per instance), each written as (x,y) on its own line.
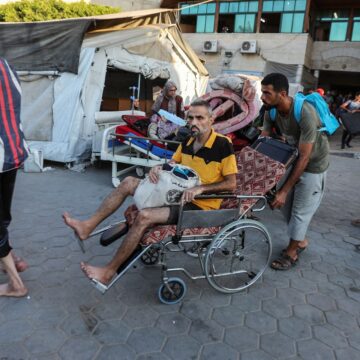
(40,10)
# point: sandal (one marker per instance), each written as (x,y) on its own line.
(285,262)
(299,250)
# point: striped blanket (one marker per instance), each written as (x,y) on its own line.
(13,149)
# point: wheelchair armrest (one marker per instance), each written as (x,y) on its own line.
(222,195)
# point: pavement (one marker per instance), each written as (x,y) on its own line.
(335,145)
(310,312)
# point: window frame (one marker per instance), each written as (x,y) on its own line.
(245,12)
(207,11)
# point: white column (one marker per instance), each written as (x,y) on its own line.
(299,72)
(316,75)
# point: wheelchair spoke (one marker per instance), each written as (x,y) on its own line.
(238,256)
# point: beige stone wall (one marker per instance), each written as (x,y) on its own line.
(283,48)
(336,56)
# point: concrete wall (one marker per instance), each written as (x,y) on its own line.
(336,56)
(283,48)
(129,5)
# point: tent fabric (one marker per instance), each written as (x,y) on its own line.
(147,43)
(39,94)
(290,71)
(156,45)
(55,45)
(43,46)
(132,20)
(71,138)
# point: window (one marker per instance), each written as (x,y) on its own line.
(338,31)
(285,16)
(245,23)
(356,31)
(331,25)
(356,26)
(238,16)
(205,23)
(199,18)
(284,5)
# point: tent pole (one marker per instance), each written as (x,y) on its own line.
(138,89)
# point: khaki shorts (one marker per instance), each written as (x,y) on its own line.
(302,203)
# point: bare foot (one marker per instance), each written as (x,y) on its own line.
(9,290)
(20,264)
(98,273)
(81,229)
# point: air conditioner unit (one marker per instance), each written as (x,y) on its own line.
(210,46)
(248,47)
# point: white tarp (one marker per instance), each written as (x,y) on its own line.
(36,111)
(71,137)
(149,50)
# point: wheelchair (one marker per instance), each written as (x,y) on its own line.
(232,250)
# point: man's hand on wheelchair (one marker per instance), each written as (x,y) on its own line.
(154,173)
(189,194)
(279,200)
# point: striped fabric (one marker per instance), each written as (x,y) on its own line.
(13,149)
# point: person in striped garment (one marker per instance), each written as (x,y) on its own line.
(13,152)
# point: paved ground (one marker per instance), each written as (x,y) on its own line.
(311,312)
(335,145)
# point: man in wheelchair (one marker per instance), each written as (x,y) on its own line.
(210,154)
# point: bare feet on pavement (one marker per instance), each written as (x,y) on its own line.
(98,273)
(20,264)
(81,229)
(12,290)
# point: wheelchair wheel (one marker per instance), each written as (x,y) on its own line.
(172,292)
(238,256)
(151,257)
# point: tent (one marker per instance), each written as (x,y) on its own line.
(67,66)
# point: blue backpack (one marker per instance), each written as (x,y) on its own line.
(328,120)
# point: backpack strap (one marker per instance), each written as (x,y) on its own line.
(272,114)
(298,105)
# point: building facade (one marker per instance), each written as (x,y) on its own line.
(314,42)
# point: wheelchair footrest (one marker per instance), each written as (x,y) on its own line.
(114,233)
(133,256)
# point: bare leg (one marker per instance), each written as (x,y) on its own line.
(20,264)
(15,287)
(84,228)
(145,219)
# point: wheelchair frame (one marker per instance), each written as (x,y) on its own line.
(172,290)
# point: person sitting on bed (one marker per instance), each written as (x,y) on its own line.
(168,101)
(210,154)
